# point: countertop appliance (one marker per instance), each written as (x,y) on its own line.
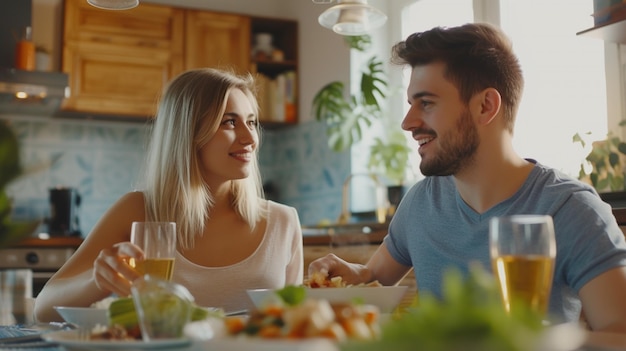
(64,203)
(43,256)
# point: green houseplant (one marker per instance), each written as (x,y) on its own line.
(608,162)
(347,118)
(10,169)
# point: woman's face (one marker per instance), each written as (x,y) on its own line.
(228,155)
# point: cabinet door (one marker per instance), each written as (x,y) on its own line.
(112,80)
(119,61)
(217,40)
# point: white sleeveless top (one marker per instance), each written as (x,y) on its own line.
(278,261)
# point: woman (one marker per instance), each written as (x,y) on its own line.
(202,173)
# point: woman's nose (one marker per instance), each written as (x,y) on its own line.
(247,135)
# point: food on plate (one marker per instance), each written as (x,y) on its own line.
(114,332)
(297,317)
(104,303)
(321,279)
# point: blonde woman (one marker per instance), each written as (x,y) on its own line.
(202,173)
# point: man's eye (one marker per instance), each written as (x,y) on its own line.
(425,103)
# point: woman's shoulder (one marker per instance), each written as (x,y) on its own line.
(131,205)
(277,210)
(134,199)
(283,220)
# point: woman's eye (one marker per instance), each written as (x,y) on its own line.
(253,123)
(229,121)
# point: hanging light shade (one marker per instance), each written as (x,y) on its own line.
(114,4)
(352,17)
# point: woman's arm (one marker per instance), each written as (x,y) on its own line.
(96,269)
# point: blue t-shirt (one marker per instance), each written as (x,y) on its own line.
(434,229)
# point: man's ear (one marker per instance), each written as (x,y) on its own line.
(488,105)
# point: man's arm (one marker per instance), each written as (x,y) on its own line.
(381,266)
(604,301)
(385,268)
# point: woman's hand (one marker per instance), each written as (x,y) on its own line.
(351,273)
(111,271)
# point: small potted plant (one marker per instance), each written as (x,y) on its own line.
(608,162)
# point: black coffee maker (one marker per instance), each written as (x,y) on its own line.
(64,203)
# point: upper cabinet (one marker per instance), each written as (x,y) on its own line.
(119,61)
(217,40)
(610,24)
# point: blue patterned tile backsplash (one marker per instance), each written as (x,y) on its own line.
(102,160)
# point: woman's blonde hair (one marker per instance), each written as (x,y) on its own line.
(189,114)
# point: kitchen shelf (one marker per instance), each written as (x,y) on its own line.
(613,30)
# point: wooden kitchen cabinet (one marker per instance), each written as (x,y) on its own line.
(119,61)
(217,40)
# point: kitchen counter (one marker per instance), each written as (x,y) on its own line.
(348,234)
(53,241)
(345,238)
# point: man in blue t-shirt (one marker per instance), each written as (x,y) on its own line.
(465,88)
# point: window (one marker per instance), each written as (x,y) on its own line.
(565,88)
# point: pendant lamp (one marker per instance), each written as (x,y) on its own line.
(114,4)
(351,17)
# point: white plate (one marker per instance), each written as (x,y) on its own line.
(385,297)
(70,340)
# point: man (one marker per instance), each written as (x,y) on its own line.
(465,89)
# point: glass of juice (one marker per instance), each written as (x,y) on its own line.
(522,250)
(158,242)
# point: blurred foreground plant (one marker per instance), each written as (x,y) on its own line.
(470,316)
(10,169)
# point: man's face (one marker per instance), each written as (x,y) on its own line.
(440,122)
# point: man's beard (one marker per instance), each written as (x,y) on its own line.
(457,149)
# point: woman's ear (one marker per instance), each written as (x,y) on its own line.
(489,102)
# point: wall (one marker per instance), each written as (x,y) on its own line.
(102,159)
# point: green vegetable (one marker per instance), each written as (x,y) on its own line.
(122,312)
(470,316)
(292,295)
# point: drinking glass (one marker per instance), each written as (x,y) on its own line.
(523,249)
(163,308)
(158,242)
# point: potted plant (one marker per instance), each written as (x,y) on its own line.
(347,118)
(608,162)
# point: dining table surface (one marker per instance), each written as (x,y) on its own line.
(29,339)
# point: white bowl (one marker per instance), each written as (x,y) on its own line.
(385,297)
(86,317)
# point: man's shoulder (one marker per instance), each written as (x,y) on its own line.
(554,180)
